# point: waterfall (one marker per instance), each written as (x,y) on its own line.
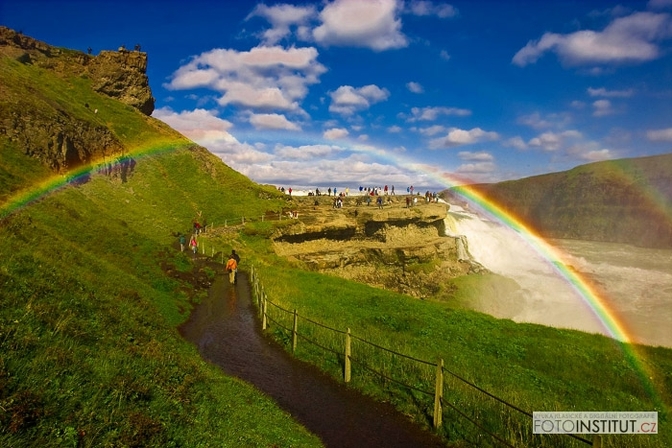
(543,296)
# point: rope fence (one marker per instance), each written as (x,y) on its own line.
(429,380)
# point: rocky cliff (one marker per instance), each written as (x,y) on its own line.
(396,248)
(65,136)
(622,201)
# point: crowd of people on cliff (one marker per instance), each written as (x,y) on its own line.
(364,191)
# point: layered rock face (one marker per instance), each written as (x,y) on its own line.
(396,248)
(64,137)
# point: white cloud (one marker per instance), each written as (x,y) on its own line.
(551,120)
(481,156)
(432,130)
(534,121)
(432,113)
(552,141)
(306,152)
(602,108)
(428,8)
(444,55)
(370,24)
(610,93)
(630,39)
(394,129)
(659,135)
(597,155)
(346,100)
(335,133)
(282,17)
(273,121)
(475,170)
(576,104)
(199,125)
(414,87)
(516,142)
(263,78)
(458,137)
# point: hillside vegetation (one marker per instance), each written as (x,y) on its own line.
(620,201)
(90,303)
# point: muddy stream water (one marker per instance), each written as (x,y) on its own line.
(227,333)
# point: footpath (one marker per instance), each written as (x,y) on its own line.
(227,333)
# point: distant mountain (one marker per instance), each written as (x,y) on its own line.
(622,201)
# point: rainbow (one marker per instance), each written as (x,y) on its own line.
(59,181)
(597,304)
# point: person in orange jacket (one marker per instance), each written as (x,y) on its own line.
(232,268)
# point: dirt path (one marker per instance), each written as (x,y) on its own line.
(226,332)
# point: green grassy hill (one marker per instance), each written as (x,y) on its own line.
(621,201)
(89,309)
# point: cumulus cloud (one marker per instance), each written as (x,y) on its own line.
(428,8)
(552,141)
(659,135)
(432,113)
(432,130)
(335,133)
(282,17)
(394,129)
(266,78)
(481,156)
(602,108)
(305,152)
(444,55)
(414,87)
(273,121)
(347,100)
(200,125)
(597,155)
(610,93)
(458,137)
(370,24)
(516,142)
(632,39)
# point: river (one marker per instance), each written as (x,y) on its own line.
(635,283)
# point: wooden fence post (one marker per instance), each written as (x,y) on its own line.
(438,394)
(294,330)
(348,353)
(226,223)
(262,218)
(597,441)
(263,312)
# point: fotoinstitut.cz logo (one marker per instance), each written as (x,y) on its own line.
(595,422)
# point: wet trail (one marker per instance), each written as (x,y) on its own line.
(227,333)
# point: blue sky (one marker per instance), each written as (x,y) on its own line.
(424,93)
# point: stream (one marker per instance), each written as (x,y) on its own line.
(227,333)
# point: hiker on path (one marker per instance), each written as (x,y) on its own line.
(183,241)
(237,258)
(232,268)
(193,244)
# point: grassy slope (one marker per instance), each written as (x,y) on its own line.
(532,366)
(90,350)
(87,323)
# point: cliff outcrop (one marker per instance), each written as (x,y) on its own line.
(396,248)
(64,135)
(121,74)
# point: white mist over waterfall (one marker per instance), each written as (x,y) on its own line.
(544,297)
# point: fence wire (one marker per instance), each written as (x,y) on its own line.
(507,419)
